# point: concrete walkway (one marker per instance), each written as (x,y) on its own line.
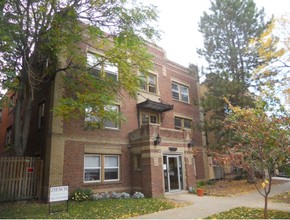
(205,206)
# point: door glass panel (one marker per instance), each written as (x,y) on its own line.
(173,173)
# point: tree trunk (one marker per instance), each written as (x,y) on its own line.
(23,111)
(266,207)
(26,122)
(17,125)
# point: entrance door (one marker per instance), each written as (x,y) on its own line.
(172,172)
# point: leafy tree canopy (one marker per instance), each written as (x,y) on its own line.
(42,38)
(255,141)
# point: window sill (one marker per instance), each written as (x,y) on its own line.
(181,101)
(147,92)
(102,183)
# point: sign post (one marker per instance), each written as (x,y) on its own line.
(58,194)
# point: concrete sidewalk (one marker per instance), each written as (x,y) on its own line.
(205,206)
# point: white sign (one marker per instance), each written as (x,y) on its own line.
(58,193)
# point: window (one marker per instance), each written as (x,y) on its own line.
(111,168)
(149,83)
(147,118)
(97,64)
(180,92)
(92,118)
(108,123)
(8,140)
(41,108)
(182,123)
(101,168)
(92,168)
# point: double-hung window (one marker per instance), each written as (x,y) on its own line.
(149,83)
(92,168)
(101,168)
(99,65)
(180,92)
(110,123)
(111,168)
(91,117)
(182,123)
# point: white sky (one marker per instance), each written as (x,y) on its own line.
(179,22)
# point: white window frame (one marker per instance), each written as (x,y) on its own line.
(102,168)
(180,92)
(118,168)
(93,168)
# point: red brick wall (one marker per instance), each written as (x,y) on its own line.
(5,122)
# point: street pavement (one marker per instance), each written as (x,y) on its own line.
(202,207)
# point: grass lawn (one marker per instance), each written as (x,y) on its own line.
(100,209)
(250,213)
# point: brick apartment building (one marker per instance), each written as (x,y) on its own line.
(6,124)
(151,152)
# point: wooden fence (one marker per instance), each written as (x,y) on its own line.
(20,178)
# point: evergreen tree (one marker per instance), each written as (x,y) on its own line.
(227,30)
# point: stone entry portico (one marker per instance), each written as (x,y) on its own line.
(147,165)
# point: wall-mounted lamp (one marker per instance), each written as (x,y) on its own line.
(157,140)
(191,144)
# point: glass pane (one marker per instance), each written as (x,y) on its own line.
(143,81)
(175,95)
(175,88)
(152,79)
(177,123)
(92,161)
(175,91)
(144,119)
(184,93)
(111,174)
(187,123)
(110,68)
(111,161)
(92,174)
(152,89)
(184,98)
(89,117)
(110,124)
(153,119)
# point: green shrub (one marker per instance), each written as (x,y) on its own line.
(200,184)
(81,194)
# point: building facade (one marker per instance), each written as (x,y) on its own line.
(150,152)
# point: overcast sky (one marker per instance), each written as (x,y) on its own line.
(179,22)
